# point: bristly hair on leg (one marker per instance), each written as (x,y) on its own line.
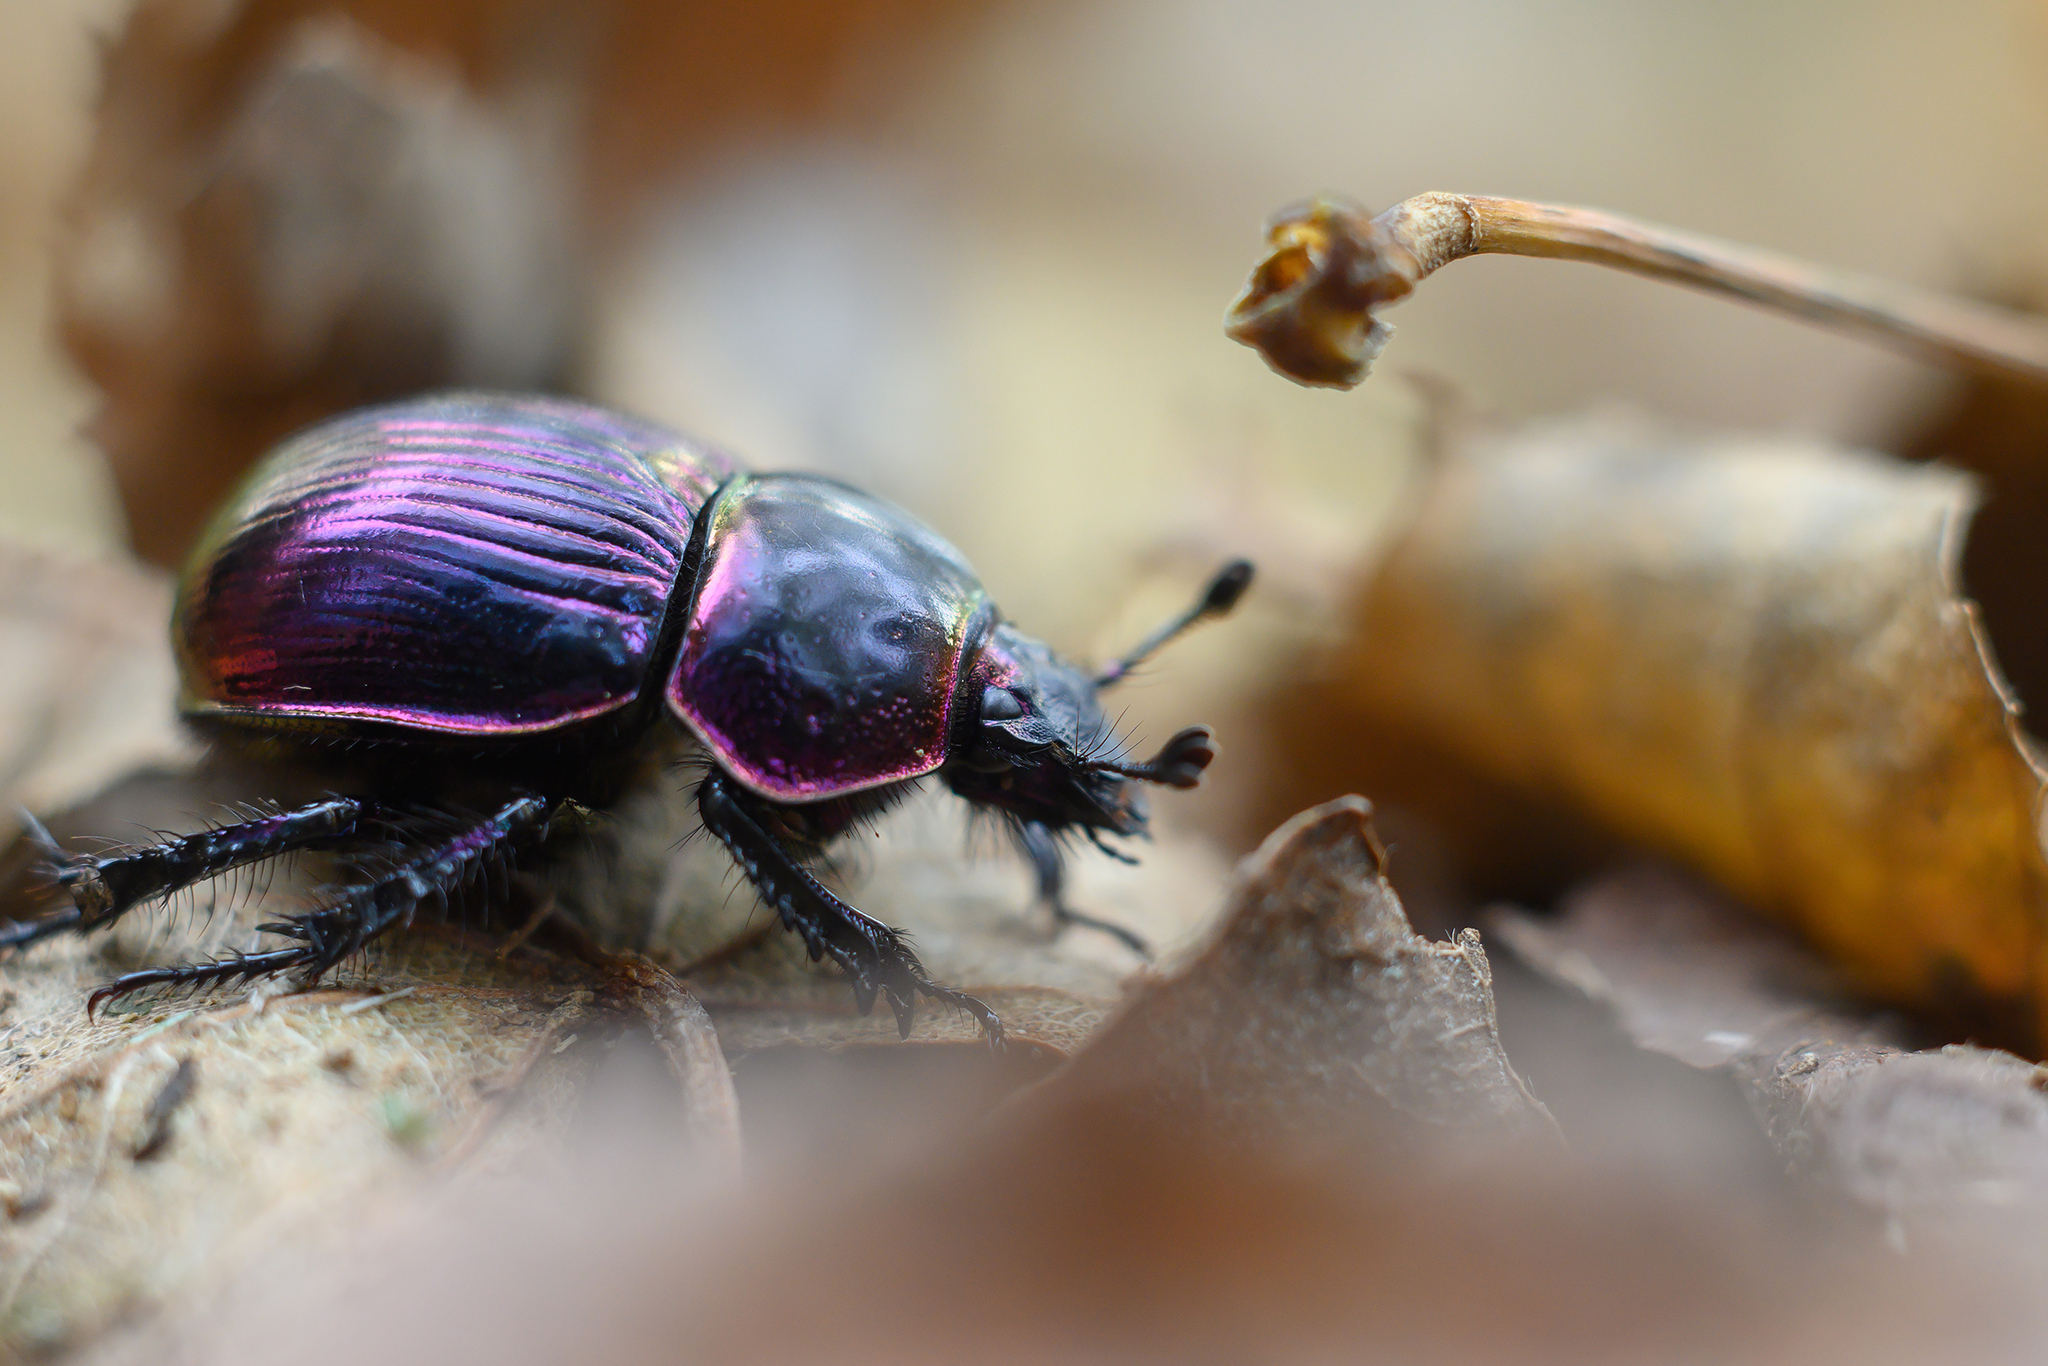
(338,931)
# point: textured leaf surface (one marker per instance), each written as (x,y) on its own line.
(1752,655)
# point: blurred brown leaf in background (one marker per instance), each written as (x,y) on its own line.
(1753,655)
(295,208)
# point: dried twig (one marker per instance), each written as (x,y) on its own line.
(1311,306)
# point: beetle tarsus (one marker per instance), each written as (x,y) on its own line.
(905,1008)
(875,958)
(105,887)
(241,967)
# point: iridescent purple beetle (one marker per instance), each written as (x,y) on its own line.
(484,593)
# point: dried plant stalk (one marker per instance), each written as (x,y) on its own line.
(1311,307)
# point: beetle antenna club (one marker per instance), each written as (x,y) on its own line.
(822,648)
(1218,598)
(1179,763)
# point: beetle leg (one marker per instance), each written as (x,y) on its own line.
(104,887)
(1036,840)
(346,924)
(873,955)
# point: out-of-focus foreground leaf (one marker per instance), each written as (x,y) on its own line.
(1304,1146)
(1753,655)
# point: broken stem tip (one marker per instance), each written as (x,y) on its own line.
(1311,306)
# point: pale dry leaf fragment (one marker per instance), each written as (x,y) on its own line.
(1751,655)
(1937,1140)
(86,682)
(1316,1012)
(163,1154)
(291,1111)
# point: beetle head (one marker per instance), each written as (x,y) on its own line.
(1034,738)
(1035,743)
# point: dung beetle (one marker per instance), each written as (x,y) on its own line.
(499,597)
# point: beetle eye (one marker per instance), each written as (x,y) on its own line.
(1000,704)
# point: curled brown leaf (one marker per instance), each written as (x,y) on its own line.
(1754,656)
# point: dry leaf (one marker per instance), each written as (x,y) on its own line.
(86,680)
(1692,975)
(1933,1141)
(1751,655)
(1316,1011)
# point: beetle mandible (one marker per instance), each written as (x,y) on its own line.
(502,595)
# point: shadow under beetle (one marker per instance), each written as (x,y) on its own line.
(502,594)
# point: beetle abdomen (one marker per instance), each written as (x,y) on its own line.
(468,563)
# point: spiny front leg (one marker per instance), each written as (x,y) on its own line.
(105,887)
(343,926)
(873,955)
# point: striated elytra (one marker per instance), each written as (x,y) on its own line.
(475,608)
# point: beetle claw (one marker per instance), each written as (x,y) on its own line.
(906,1011)
(990,1022)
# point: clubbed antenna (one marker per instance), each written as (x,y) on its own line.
(1222,594)
(1179,762)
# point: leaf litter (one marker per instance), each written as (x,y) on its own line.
(1300,1132)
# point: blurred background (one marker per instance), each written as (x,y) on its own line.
(967,254)
(939,242)
(971,255)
